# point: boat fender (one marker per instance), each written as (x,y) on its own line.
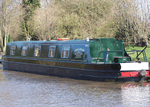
(143,73)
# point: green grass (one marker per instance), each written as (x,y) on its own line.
(134,54)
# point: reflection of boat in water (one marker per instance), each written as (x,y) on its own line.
(126,86)
(135,95)
(94,59)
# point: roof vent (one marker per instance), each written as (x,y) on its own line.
(28,38)
(87,39)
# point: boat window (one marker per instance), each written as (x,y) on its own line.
(12,51)
(24,50)
(37,51)
(65,52)
(51,51)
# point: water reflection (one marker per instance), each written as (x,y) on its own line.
(31,90)
(136,95)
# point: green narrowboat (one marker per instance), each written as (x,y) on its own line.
(91,59)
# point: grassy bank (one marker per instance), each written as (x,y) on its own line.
(134,54)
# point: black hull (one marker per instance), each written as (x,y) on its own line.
(83,74)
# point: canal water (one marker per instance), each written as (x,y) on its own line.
(18,89)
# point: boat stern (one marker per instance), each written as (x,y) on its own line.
(135,70)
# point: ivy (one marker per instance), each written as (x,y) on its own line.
(29,7)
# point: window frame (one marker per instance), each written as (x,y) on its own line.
(65,50)
(51,51)
(13,47)
(39,50)
(23,50)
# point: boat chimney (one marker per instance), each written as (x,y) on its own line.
(28,38)
(87,39)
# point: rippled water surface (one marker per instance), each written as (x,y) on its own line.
(18,89)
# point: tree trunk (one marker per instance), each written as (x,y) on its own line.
(3,26)
(1,42)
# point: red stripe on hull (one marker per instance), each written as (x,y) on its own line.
(132,74)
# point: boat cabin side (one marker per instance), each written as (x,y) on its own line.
(72,50)
(94,51)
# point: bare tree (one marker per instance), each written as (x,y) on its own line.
(132,20)
(3,25)
(10,22)
(44,24)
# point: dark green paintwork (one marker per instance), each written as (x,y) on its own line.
(74,44)
(43,61)
(91,54)
(110,45)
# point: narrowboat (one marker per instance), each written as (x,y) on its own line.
(100,59)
